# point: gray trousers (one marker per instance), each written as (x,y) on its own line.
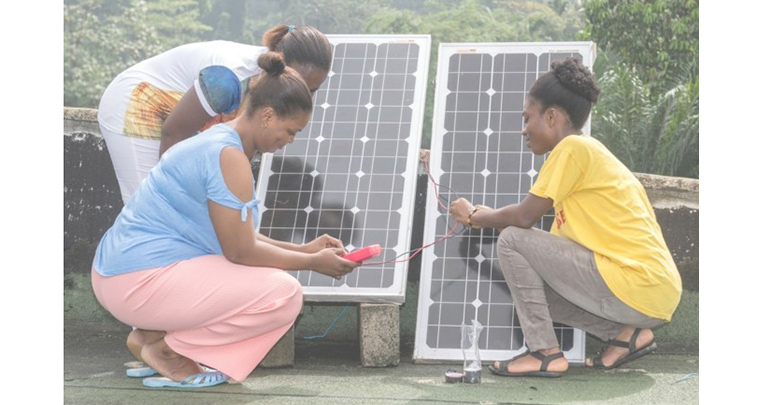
(553,279)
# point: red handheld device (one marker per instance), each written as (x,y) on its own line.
(363,253)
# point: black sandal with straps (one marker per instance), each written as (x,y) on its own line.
(633,354)
(543,372)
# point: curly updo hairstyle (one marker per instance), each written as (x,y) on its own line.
(301,46)
(569,85)
(279,87)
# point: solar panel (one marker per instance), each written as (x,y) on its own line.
(478,152)
(352,172)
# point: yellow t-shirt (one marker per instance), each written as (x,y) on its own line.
(601,205)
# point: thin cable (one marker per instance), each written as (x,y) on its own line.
(435,185)
(449,234)
(686,377)
(328,328)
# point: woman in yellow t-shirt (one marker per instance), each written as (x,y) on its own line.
(604,267)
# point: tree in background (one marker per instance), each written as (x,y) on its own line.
(176,22)
(648,132)
(100,40)
(648,113)
(227,19)
(658,38)
(329,16)
(553,20)
(103,38)
(648,64)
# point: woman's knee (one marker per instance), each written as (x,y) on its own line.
(508,237)
(290,291)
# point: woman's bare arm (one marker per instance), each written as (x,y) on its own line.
(522,215)
(184,121)
(239,241)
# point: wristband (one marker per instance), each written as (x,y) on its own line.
(470,224)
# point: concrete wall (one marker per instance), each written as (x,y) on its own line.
(676,206)
(91,193)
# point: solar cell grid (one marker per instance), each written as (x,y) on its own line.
(478,152)
(351,172)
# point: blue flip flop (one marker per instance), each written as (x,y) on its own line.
(140,372)
(200,380)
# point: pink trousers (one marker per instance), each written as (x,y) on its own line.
(224,315)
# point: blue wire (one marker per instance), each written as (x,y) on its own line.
(686,377)
(328,328)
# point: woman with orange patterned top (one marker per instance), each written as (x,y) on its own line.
(165,99)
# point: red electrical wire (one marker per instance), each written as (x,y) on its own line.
(435,185)
(447,235)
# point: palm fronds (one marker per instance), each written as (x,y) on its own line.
(650,133)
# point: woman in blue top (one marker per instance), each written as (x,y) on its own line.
(183,263)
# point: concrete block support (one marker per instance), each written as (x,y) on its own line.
(379,335)
(282,354)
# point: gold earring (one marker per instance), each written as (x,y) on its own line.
(264,125)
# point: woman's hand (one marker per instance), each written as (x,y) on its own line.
(459,209)
(320,243)
(330,262)
(462,208)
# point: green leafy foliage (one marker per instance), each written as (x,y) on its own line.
(648,112)
(329,16)
(176,22)
(656,37)
(648,67)
(100,41)
(227,19)
(649,133)
(103,38)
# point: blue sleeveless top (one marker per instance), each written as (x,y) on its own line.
(167,219)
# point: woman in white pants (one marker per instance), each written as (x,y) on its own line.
(165,99)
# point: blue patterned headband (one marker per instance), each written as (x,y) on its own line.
(291,27)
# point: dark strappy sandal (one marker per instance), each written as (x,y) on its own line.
(633,353)
(543,372)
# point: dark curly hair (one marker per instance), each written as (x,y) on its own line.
(569,85)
